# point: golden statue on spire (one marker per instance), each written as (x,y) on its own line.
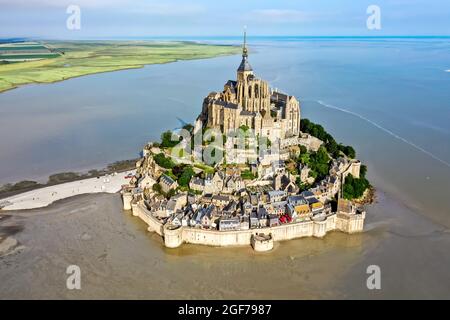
(244,49)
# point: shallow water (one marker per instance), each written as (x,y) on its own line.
(118,258)
(389,98)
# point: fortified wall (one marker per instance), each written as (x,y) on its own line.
(176,236)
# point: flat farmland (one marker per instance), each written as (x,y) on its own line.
(69,59)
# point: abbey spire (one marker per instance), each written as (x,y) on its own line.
(244,66)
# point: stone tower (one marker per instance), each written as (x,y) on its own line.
(252,94)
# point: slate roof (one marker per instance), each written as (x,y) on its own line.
(245,66)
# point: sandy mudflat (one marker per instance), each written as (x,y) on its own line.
(120,259)
(44,196)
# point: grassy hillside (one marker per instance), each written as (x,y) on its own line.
(78,58)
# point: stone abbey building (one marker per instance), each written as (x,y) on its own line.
(250,102)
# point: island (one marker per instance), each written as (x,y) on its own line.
(249,171)
(28,62)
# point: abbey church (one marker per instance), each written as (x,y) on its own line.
(250,102)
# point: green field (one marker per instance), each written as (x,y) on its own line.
(22,48)
(80,58)
(26,56)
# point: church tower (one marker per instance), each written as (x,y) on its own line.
(245,69)
(253,94)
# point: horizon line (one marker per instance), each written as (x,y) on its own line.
(222,36)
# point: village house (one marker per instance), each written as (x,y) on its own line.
(263,170)
(146,182)
(206,217)
(262,217)
(186,218)
(307,195)
(171,207)
(197,184)
(177,219)
(279,208)
(231,208)
(245,222)
(254,200)
(233,184)
(278,167)
(233,171)
(193,219)
(316,206)
(206,198)
(247,207)
(276,195)
(304,174)
(273,220)
(167,183)
(284,182)
(180,200)
(299,211)
(228,223)
(220,200)
(192,198)
(214,183)
(296,200)
(254,221)
(160,208)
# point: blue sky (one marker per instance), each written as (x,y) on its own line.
(149,18)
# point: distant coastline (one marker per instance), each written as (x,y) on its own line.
(80,58)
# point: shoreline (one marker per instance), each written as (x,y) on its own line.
(368,198)
(61,178)
(106,71)
(43,197)
(121,68)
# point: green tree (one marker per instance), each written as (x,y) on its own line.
(186,176)
(319,163)
(355,188)
(363,171)
(348,151)
(164,162)
(166,140)
(330,144)
(178,170)
(157,188)
(304,158)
